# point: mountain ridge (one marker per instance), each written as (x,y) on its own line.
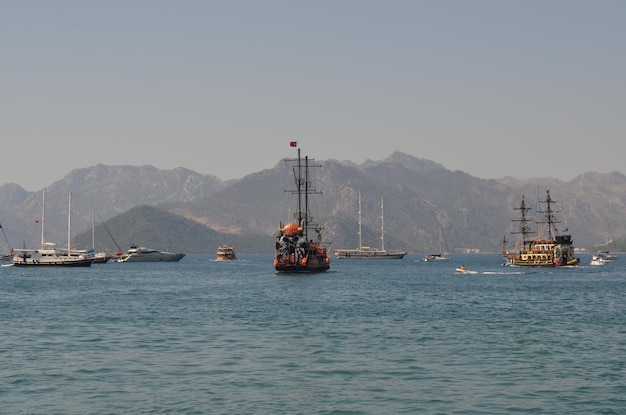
(420,196)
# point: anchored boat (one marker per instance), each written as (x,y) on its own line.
(366,252)
(295,249)
(226,252)
(48,254)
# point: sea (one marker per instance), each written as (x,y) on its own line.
(367,337)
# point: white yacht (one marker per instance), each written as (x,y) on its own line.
(142,254)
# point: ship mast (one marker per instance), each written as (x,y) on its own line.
(549,218)
(382,225)
(360,224)
(303,190)
(43,215)
(300,215)
(69,222)
(524,223)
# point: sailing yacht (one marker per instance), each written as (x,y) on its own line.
(48,254)
(440,255)
(366,252)
(606,256)
(6,257)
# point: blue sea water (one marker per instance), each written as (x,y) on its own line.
(367,337)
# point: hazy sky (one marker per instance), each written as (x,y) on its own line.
(494,88)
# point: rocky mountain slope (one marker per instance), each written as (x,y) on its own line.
(420,197)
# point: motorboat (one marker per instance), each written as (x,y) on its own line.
(597,260)
(143,254)
(226,252)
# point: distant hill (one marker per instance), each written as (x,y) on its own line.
(420,196)
(97,192)
(157,228)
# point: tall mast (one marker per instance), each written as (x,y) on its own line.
(524,227)
(93,228)
(303,189)
(298,174)
(69,221)
(306,196)
(43,215)
(549,218)
(301,214)
(382,225)
(360,237)
(440,238)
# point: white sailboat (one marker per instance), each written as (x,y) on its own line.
(366,252)
(440,255)
(6,257)
(48,254)
(606,256)
(101,257)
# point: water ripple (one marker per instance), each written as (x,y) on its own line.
(208,337)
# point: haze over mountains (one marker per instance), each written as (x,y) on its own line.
(182,210)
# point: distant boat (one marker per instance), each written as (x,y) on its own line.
(143,254)
(295,251)
(606,255)
(463,270)
(98,257)
(439,256)
(597,260)
(6,257)
(551,251)
(48,254)
(102,257)
(366,252)
(226,252)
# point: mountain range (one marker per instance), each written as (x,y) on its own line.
(181,210)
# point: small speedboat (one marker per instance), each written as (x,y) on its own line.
(463,270)
(597,260)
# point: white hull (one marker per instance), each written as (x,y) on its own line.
(435,258)
(149,255)
(597,260)
(49,257)
(367,254)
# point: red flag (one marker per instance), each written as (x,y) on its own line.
(293,143)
